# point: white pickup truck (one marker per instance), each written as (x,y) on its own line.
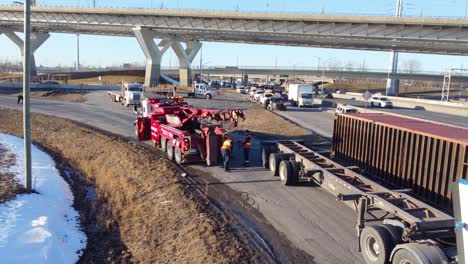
(130,94)
(201,90)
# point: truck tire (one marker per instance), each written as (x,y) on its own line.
(295,173)
(122,101)
(404,256)
(170,150)
(136,131)
(178,156)
(208,96)
(275,159)
(274,163)
(414,253)
(162,144)
(285,172)
(376,245)
(266,151)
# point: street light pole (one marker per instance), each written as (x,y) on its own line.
(26,83)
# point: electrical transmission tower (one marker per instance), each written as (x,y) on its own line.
(446,87)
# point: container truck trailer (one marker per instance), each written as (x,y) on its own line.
(397,177)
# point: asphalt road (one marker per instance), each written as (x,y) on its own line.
(309,217)
(423,114)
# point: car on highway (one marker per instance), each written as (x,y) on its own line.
(49,82)
(381,101)
(275,103)
(252,91)
(240,90)
(258,94)
(263,98)
(346,110)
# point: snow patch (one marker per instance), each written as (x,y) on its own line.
(40,227)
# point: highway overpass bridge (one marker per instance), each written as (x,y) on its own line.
(175,27)
(328,73)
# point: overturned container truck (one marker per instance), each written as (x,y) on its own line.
(397,173)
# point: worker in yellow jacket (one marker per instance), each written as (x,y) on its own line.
(247,145)
(226,151)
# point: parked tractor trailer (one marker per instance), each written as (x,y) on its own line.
(396,173)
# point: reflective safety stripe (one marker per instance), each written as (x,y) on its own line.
(227,145)
(248,145)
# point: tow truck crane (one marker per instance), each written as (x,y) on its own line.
(184,132)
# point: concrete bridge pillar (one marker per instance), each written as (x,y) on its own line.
(153,54)
(393,84)
(37,39)
(186,56)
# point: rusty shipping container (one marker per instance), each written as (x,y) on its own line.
(404,153)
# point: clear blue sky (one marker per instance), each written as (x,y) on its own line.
(60,49)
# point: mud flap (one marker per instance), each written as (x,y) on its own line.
(213,152)
(143,127)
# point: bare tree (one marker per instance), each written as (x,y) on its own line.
(334,65)
(349,66)
(411,66)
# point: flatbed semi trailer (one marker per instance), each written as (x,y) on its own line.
(394,222)
(391,225)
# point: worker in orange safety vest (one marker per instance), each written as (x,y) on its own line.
(247,145)
(226,151)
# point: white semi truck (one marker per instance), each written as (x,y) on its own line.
(301,95)
(201,90)
(130,94)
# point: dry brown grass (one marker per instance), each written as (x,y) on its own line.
(107,79)
(260,120)
(139,195)
(74,97)
(263,121)
(9,187)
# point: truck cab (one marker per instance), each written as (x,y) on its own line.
(305,99)
(132,94)
(202,90)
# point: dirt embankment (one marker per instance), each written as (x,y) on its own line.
(67,96)
(9,187)
(263,121)
(142,211)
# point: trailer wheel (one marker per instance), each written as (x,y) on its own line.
(413,253)
(274,163)
(286,172)
(376,245)
(295,172)
(266,151)
(170,150)
(178,155)
(162,143)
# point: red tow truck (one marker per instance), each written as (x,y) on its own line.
(185,133)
